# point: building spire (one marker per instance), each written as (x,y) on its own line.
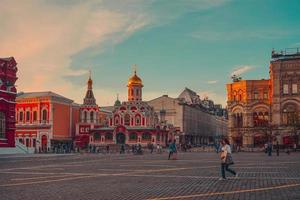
(89,97)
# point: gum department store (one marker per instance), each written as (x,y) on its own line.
(269,109)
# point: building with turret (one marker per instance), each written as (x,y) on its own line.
(267,110)
(132,122)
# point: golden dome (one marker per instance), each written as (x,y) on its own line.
(135,80)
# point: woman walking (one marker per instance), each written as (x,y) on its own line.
(172,149)
(226,159)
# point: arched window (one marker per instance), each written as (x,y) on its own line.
(133,136)
(117,121)
(2,125)
(34,115)
(290,115)
(146,136)
(137,120)
(27,116)
(21,116)
(92,116)
(44,115)
(260,118)
(127,119)
(238,120)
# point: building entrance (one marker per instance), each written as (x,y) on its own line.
(120,138)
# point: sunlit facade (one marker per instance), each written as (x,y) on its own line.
(267,110)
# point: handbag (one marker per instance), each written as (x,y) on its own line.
(229,160)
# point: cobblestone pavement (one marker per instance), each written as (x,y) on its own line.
(192,176)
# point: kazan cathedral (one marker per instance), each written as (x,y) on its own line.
(132,122)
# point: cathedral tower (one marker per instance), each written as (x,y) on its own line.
(135,88)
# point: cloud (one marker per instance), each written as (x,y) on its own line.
(43,35)
(241,70)
(212,82)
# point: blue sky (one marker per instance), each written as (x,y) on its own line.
(176,44)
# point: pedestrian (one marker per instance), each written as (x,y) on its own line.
(277,148)
(295,147)
(270,148)
(151,148)
(266,148)
(226,159)
(170,146)
(107,148)
(172,150)
(158,148)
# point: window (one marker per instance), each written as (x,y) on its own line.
(255,95)
(137,121)
(132,136)
(34,116)
(108,136)
(158,137)
(27,116)
(290,115)
(265,95)
(137,92)
(2,125)
(294,88)
(285,88)
(127,120)
(116,120)
(97,136)
(27,142)
(21,116)
(44,115)
(92,116)
(146,136)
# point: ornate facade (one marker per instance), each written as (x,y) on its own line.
(131,122)
(8,70)
(267,110)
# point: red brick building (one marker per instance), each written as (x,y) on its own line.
(45,120)
(8,70)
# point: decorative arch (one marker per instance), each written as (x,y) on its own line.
(237,116)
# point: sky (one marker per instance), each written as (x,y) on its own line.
(175,44)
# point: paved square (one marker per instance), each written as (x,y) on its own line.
(192,176)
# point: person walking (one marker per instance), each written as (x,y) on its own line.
(277,148)
(172,149)
(295,147)
(226,159)
(270,148)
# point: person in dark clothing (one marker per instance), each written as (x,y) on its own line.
(107,148)
(277,148)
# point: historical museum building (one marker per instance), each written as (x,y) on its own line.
(198,121)
(267,110)
(45,120)
(132,122)
(8,70)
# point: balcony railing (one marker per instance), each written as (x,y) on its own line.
(34,123)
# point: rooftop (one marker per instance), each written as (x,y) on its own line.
(287,54)
(21,95)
